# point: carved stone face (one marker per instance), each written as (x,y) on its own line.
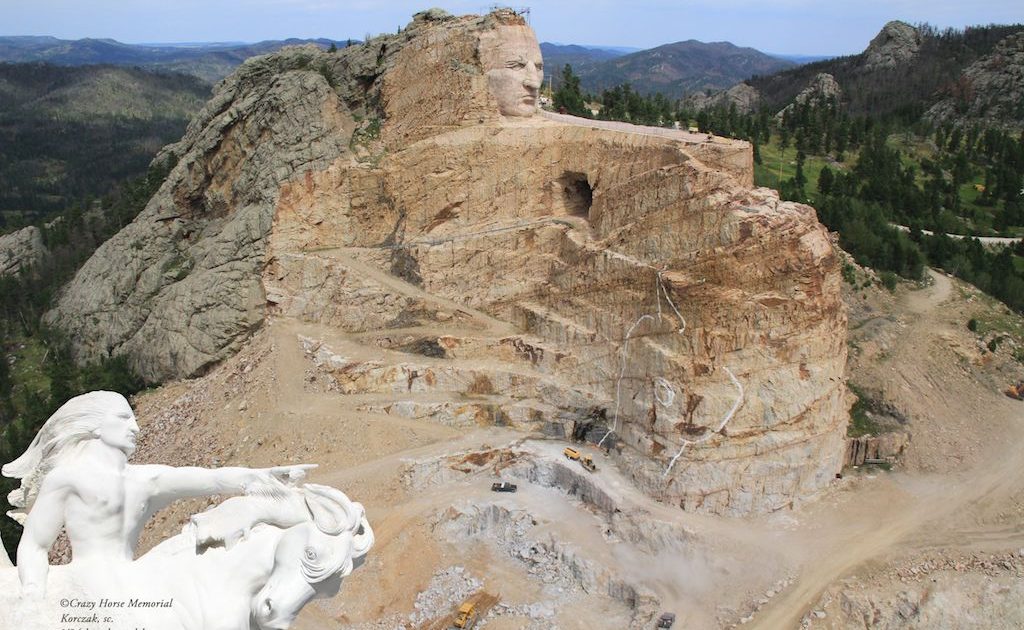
(515,70)
(119,429)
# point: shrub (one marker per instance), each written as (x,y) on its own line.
(888,279)
(849,274)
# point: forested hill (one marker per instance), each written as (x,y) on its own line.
(210,62)
(70,133)
(903,72)
(680,68)
(581,58)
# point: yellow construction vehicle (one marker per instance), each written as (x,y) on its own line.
(467,616)
(587,462)
(571,453)
(1016,391)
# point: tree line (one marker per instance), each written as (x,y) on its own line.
(873,171)
(32,388)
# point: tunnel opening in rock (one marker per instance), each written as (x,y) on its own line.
(577,195)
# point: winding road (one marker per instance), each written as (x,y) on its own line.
(896,512)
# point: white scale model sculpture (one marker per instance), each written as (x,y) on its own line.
(252,561)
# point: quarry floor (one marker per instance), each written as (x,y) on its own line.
(932,543)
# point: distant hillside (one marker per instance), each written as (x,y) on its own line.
(903,71)
(67,133)
(801,59)
(680,68)
(210,62)
(581,58)
(990,90)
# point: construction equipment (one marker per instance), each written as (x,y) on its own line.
(666,620)
(1016,391)
(587,462)
(467,616)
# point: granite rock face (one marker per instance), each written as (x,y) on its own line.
(745,97)
(990,91)
(542,273)
(894,45)
(822,90)
(21,249)
(178,289)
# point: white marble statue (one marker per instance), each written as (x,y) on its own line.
(76,475)
(259,558)
(512,61)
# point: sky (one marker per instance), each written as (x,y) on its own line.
(805,27)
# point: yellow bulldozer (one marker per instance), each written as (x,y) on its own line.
(466,617)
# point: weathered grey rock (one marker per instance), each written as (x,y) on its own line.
(989,91)
(895,44)
(745,97)
(823,89)
(433,15)
(179,288)
(21,249)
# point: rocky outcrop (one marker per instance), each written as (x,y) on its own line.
(545,271)
(179,288)
(20,250)
(990,91)
(894,45)
(822,90)
(745,97)
(940,588)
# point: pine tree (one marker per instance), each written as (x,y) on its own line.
(825,181)
(568,97)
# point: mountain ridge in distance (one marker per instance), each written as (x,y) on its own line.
(681,68)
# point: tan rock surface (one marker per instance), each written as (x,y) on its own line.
(611,273)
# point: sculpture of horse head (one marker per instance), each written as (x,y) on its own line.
(259,559)
(311,558)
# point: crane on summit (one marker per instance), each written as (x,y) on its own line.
(523,11)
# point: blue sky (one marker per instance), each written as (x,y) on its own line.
(780,26)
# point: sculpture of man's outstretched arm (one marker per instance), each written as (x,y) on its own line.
(41,530)
(168,483)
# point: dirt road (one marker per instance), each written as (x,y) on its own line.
(270,405)
(985,240)
(900,511)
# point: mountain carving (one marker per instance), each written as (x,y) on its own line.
(555,275)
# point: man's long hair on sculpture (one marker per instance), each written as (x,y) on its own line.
(74,422)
